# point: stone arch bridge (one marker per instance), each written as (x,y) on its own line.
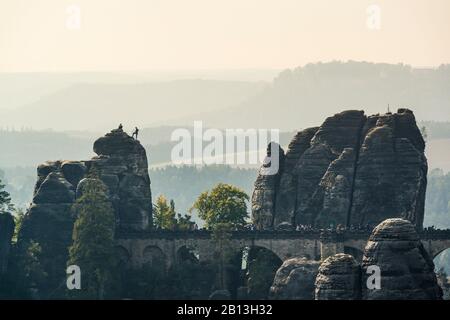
(139,248)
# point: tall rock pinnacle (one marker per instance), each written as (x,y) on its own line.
(122,165)
(352,170)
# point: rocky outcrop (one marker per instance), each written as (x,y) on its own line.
(339,278)
(285,205)
(49,222)
(266,186)
(7,226)
(294,280)
(352,170)
(407,271)
(121,163)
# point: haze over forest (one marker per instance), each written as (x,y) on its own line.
(160,68)
(61,115)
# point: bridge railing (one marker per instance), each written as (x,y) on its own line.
(242,234)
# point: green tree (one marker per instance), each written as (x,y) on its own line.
(5,200)
(32,275)
(164,214)
(93,241)
(18,219)
(223,204)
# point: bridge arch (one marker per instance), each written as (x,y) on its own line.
(123,255)
(187,253)
(154,257)
(442,262)
(436,246)
(258,267)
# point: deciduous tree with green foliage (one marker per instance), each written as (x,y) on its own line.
(93,241)
(223,204)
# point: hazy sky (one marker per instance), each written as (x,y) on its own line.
(43,35)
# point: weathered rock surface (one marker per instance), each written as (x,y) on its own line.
(295,280)
(7,226)
(391,172)
(352,170)
(266,186)
(407,271)
(121,164)
(49,222)
(285,205)
(339,278)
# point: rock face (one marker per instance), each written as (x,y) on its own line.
(266,186)
(339,278)
(49,221)
(121,164)
(352,170)
(294,280)
(7,226)
(407,271)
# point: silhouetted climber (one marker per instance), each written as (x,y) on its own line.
(120,127)
(135,133)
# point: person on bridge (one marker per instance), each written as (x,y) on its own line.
(135,133)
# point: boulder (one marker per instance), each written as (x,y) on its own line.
(294,280)
(407,271)
(73,171)
(339,278)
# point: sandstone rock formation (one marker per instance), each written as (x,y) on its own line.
(407,271)
(352,170)
(7,226)
(121,164)
(264,195)
(339,278)
(295,280)
(49,221)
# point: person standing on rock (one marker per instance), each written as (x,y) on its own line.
(135,133)
(120,127)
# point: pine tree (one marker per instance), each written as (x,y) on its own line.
(93,241)
(5,200)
